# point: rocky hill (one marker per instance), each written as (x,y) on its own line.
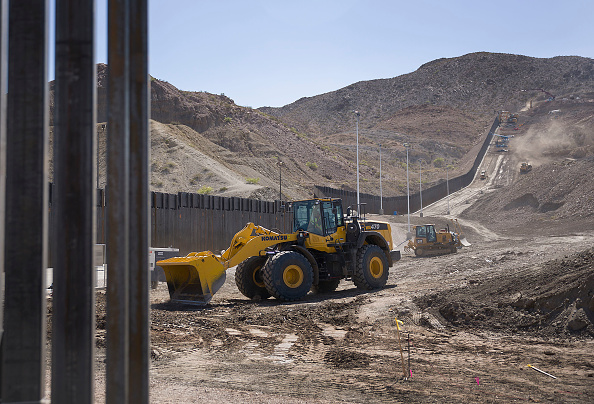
(476,83)
(204,142)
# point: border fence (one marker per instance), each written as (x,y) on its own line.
(195,222)
(399,203)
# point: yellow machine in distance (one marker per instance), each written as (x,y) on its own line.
(325,246)
(428,241)
(525,167)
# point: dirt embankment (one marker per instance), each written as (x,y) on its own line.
(551,300)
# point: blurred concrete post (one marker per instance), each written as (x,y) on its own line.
(23,360)
(73,335)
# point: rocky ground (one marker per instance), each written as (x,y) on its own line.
(474,320)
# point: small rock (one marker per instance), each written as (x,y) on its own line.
(578,320)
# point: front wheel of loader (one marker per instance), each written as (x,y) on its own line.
(372,268)
(288,275)
(248,278)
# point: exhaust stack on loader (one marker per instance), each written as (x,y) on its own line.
(324,247)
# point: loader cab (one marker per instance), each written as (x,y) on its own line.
(318,216)
(426,231)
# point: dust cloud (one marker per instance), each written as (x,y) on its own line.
(553,142)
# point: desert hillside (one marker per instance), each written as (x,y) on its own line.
(206,143)
(477,84)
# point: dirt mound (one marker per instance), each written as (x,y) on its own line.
(553,300)
(558,198)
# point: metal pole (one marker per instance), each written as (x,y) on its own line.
(448,187)
(73,236)
(117,202)
(280,180)
(139,208)
(380,171)
(23,362)
(3,73)
(357,114)
(407,192)
(420,189)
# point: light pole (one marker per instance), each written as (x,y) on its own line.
(381,212)
(420,188)
(357,115)
(448,186)
(408,234)
(280,180)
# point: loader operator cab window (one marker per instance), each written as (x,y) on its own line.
(315,220)
(308,217)
(332,217)
(318,217)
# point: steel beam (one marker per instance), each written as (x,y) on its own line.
(24,339)
(139,356)
(73,332)
(3,72)
(117,202)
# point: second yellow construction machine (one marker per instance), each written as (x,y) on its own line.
(324,247)
(428,241)
(525,167)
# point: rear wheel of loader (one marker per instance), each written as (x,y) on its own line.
(325,286)
(288,275)
(248,278)
(372,268)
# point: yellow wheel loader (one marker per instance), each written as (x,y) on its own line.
(325,246)
(428,241)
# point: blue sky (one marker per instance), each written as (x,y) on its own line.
(273,52)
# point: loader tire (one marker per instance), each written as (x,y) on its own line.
(288,275)
(248,278)
(372,268)
(325,286)
(419,252)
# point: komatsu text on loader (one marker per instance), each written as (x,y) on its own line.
(324,247)
(427,241)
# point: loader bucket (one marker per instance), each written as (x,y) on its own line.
(193,279)
(465,242)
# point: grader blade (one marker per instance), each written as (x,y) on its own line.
(193,279)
